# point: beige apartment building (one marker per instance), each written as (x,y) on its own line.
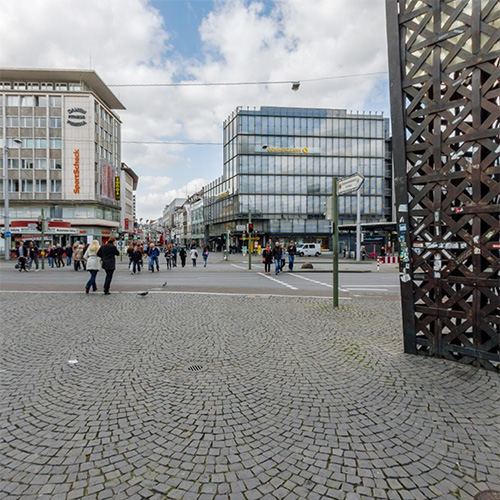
(64,154)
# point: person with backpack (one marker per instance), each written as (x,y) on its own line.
(193,254)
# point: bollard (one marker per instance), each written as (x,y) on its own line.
(378,264)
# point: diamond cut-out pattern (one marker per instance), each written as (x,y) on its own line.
(445,95)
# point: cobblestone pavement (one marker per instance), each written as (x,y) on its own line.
(185,396)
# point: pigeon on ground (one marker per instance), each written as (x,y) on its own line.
(143,294)
(164,284)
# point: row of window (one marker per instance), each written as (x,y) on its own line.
(32,121)
(26,211)
(281,184)
(32,163)
(306,205)
(37,101)
(291,146)
(37,143)
(33,186)
(74,87)
(304,165)
(307,126)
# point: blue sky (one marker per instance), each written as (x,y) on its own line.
(176,41)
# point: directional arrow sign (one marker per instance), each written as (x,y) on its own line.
(350,184)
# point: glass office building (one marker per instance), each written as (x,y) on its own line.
(279,164)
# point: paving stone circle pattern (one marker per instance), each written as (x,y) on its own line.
(190,396)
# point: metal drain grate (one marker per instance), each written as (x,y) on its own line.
(195,368)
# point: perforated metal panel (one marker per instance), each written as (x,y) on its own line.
(445,99)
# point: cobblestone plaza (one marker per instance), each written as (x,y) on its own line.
(192,396)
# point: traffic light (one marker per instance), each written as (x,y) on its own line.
(250,227)
(39,225)
(224,236)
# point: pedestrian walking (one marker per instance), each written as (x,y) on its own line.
(168,256)
(153,254)
(52,255)
(69,253)
(59,256)
(93,265)
(108,253)
(22,257)
(292,252)
(204,255)
(283,257)
(175,251)
(136,259)
(193,254)
(277,257)
(183,255)
(267,259)
(78,256)
(32,255)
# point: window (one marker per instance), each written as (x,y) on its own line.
(41,101)
(55,186)
(26,186)
(12,121)
(40,163)
(55,101)
(46,86)
(13,186)
(33,86)
(55,164)
(26,121)
(27,100)
(12,100)
(13,163)
(40,186)
(26,163)
(40,122)
(40,143)
(55,144)
(55,122)
(61,86)
(74,87)
(27,143)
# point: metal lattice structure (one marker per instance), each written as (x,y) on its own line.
(445,98)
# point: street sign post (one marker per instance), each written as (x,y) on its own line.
(341,186)
(350,184)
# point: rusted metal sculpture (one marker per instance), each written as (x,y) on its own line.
(445,98)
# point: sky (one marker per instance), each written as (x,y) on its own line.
(172,135)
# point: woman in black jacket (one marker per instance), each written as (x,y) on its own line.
(108,253)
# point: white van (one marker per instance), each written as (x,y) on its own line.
(309,250)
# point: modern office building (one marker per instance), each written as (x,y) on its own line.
(279,164)
(69,161)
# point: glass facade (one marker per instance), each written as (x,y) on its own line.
(279,164)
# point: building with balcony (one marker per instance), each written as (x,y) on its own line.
(69,161)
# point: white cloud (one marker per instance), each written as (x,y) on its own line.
(125,41)
(154,200)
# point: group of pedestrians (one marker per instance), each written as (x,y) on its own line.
(278,254)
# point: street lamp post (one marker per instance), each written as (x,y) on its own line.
(6,215)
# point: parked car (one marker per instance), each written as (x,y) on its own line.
(309,250)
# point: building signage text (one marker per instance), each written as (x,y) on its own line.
(117,188)
(76,117)
(76,170)
(288,150)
